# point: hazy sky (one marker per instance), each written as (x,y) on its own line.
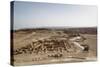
(32,14)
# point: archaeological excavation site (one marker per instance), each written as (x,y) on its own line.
(49,33)
(41,46)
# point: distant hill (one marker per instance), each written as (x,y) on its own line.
(83,30)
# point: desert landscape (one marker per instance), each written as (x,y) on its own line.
(53,45)
(45,33)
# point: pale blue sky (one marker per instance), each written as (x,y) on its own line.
(34,14)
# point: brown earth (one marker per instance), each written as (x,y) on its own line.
(25,38)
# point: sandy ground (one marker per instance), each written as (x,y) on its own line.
(22,39)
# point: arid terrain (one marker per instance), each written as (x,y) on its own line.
(48,45)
